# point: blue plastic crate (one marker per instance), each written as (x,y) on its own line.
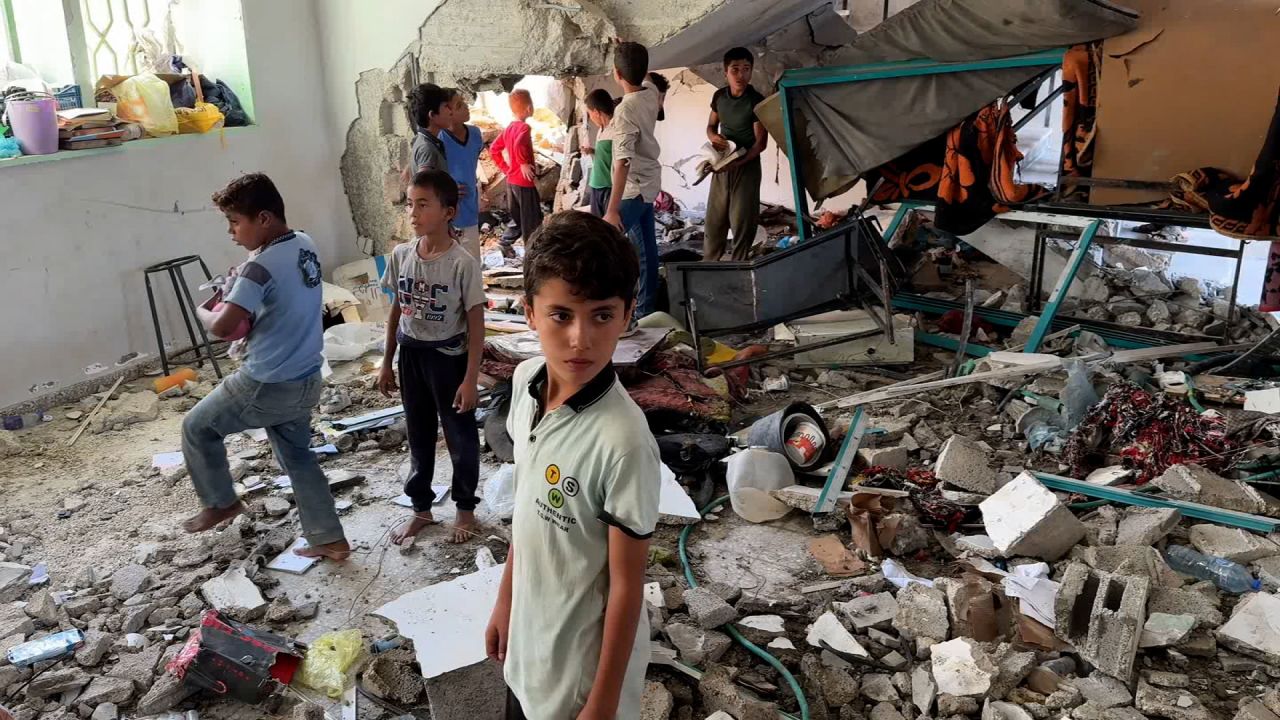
(68,97)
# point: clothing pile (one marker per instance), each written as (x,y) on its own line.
(1150,432)
(924,490)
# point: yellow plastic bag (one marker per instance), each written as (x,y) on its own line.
(203,117)
(144,99)
(329,661)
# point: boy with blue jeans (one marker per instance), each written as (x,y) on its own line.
(637,174)
(568,625)
(437,322)
(279,383)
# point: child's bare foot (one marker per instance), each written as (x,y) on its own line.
(336,551)
(465,527)
(210,517)
(418,522)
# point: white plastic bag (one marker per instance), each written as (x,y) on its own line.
(752,473)
(500,491)
(348,341)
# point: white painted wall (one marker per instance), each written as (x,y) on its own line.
(356,36)
(683,132)
(77,232)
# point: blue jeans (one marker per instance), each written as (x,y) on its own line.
(284,410)
(638,223)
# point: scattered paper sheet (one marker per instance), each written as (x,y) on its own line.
(290,562)
(167,459)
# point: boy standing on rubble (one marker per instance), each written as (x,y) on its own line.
(512,152)
(463,145)
(734,201)
(568,625)
(429,105)
(600,183)
(637,175)
(437,321)
(279,381)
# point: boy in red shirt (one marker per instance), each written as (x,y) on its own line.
(512,152)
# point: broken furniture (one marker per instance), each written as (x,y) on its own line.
(842,268)
(186,305)
(230,658)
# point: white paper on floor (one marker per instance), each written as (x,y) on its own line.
(1031,585)
(290,562)
(673,499)
(442,494)
(167,459)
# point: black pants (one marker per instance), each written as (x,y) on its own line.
(599,199)
(514,711)
(526,213)
(429,379)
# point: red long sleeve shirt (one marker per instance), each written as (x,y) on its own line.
(517,141)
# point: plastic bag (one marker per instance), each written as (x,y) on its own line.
(752,473)
(144,99)
(329,661)
(199,119)
(348,341)
(500,491)
(1078,394)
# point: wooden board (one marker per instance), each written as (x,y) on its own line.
(1194,85)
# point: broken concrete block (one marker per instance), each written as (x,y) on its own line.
(923,689)
(885,711)
(1165,630)
(1024,518)
(708,609)
(1196,484)
(13,580)
(1234,544)
(167,692)
(1252,629)
(957,705)
(56,681)
(762,629)
(893,457)
(1101,527)
(877,687)
(962,668)
(1255,710)
(719,694)
(963,463)
(827,632)
(15,622)
(135,618)
(1146,526)
(877,610)
(1103,691)
(391,676)
(922,612)
(96,645)
(911,536)
(138,667)
(107,689)
(129,409)
(1160,678)
(1141,560)
(130,580)
(1171,704)
(105,711)
(276,506)
(697,645)
(234,593)
(1102,615)
(41,607)
(998,710)
(1013,667)
(656,702)
(1268,571)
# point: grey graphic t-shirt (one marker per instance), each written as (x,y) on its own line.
(434,295)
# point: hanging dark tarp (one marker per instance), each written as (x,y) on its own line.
(843,130)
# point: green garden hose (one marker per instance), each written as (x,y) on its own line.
(731,630)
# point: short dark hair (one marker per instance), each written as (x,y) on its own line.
(594,257)
(427,99)
(659,81)
(600,100)
(631,60)
(249,195)
(739,53)
(439,182)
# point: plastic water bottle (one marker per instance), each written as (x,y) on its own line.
(47,648)
(1227,575)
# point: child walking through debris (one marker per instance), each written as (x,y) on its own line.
(587,485)
(512,152)
(438,323)
(279,381)
(734,201)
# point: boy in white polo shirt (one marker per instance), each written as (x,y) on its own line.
(568,625)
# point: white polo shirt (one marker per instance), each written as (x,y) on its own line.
(580,468)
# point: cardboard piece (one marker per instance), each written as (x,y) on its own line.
(1193,85)
(834,557)
(985,609)
(865,511)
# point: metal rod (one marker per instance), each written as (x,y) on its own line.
(806,77)
(843,463)
(786,352)
(1231,296)
(155,320)
(1060,290)
(1032,86)
(965,328)
(175,276)
(1145,244)
(1043,104)
(208,346)
(793,157)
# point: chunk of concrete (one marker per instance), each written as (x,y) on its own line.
(1024,518)
(129,409)
(838,686)
(234,593)
(1101,527)
(656,702)
(130,580)
(924,691)
(1253,629)
(96,645)
(1268,571)
(911,536)
(998,710)
(828,633)
(1103,691)
(1102,615)
(1203,607)
(922,613)
(462,684)
(167,692)
(13,581)
(719,694)
(1146,526)
(53,682)
(962,668)
(892,457)
(963,463)
(1196,484)
(878,687)
(1108,476)
(1165,630)
(1013,666)
(957,705)
(867,611)
(708,609)
(1256,710)
(697,645)
(15,622)
(106,711)
(107,689)
(1174,704)
(762,629)
(1141,560)
(885,711)
(1234,544)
